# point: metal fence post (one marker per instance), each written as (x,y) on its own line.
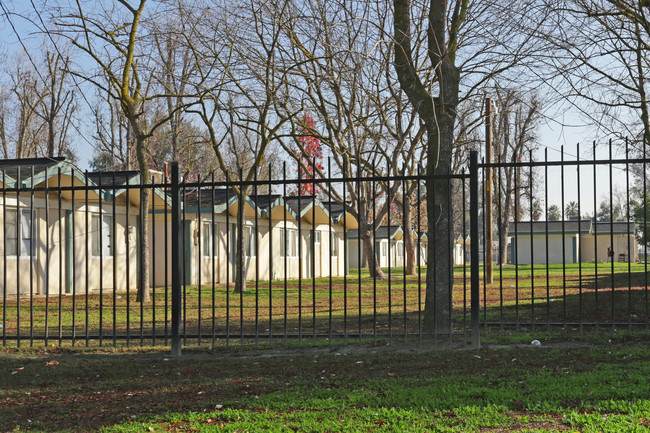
(474,236)
(176,265)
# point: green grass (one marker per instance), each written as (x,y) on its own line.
(519,295)
(588,389)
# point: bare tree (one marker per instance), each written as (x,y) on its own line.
(597,59)
(26,96)
(516,122)
(113,38)
(468,44)
(243,89)
(57,104)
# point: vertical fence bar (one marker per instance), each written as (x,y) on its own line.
(595,243)
(515,241)
(433,230)
(144,244)
(228,260)
(60,252)
(254,237)
(532,247)
(388,235)
(410,226)
(285,241)
(359,252)
(4,258)
(201,253)
(419,263)
(474,277)
(176,265)
(240,238)
(300,260)
(313,247)
(329,234)
(153,260)
(346,258)
(611,236)
(450,262)
(374,253)
(564,299)
(128,266)
(502,248)
(627,235)
(213,255)
(645,239)
(101,262)
(186,274)
(271,270)
(580,294)
(464,240)
(47,256)
(548,283)
(74,259)
(112,240)
(87,253)
(32,256)
(166,223)
(485,246)
(18,256)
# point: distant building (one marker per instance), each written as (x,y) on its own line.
(558,242)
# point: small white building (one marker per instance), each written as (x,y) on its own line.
(558,242)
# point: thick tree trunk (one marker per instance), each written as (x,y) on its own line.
(438,302)
(409,242)
(145,196)
(240,281)
(439,116)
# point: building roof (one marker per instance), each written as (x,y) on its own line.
(21,169)
(109,178)
(621,228)
(552,227)
(381,232)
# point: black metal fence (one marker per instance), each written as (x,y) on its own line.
(320,260)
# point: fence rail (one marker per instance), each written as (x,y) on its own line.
(318,269)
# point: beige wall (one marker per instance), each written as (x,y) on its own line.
(268,263)
(604,241)
(49,270)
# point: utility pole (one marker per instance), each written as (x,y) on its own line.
(488,193)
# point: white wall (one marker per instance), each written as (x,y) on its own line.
(539,256)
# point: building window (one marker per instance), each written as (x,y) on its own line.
(384,249)
(288,243)
(102,236)
(20,236)
(400,249)
(317,235)
(209,234)
(250,237)
(335,245)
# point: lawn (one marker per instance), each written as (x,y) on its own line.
(381,388)
(575,297)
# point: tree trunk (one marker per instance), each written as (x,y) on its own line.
(365,236)
(145,195)
(240,282)
(409,242)
(437,313)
